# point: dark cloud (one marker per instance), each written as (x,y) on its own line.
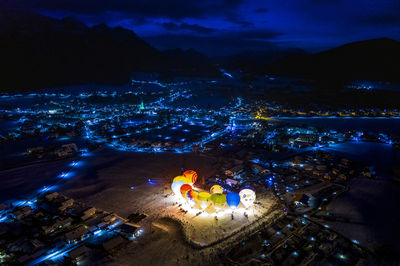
(383,19)
(172,26)
(217,44)
(259,35)
(235,18)
(196,28)
(173,9)
(310,24)
(261,10)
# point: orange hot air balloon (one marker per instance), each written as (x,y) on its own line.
(192,196)
(184,189)
(191,176)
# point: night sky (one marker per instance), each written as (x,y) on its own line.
(227,26)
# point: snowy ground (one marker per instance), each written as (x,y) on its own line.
(372,208)
(119,182)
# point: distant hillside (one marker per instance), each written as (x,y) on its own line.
(38,51)
(256,61)
(376,59)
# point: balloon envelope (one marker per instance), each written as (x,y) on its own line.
(219,199)
(184,188)
(204,198)
(192,196)
(180,178)
(191,176)
(216,189)
(233,199)
(176,186)
(247,197)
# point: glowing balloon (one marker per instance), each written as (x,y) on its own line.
(228,173)
(192,196)
(191,176)
(216,189)
(176,187)
(233,199)
(247,197)
(218,199)
(204,198)
(180,178)
(184,188)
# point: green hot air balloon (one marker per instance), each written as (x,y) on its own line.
(218,199)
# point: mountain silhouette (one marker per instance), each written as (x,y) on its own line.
(39,51)
(375,59)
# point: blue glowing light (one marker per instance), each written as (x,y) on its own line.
(48,189)
(66,175)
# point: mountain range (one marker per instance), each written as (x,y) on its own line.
(376,59)
(37,51)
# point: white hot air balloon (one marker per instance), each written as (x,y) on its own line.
(247,197)
(176,186)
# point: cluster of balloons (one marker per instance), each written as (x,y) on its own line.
(183,185)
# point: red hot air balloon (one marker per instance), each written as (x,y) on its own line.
(184,189)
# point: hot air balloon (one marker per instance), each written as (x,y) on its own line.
(233,199)
(191,176)
(228,173)
(216,189)
(184,188)
(192,196)
(218,199)
(176,187)
(247,197)
(204,198)
(180,178)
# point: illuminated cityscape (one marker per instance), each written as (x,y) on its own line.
(146,155)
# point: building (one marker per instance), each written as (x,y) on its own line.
(78,254)
(23,212)
(76,235)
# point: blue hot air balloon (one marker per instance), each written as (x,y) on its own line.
(233,199)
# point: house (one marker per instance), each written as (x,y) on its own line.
(231,182)
(88,213)
(66,204)
(51,196)
(33,150)
(23,212)
(77,254)
(128,229)
(76,235)
(66,150)
(3,206)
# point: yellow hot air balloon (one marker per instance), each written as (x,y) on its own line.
(204,198)
(216,189)
(180,178)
